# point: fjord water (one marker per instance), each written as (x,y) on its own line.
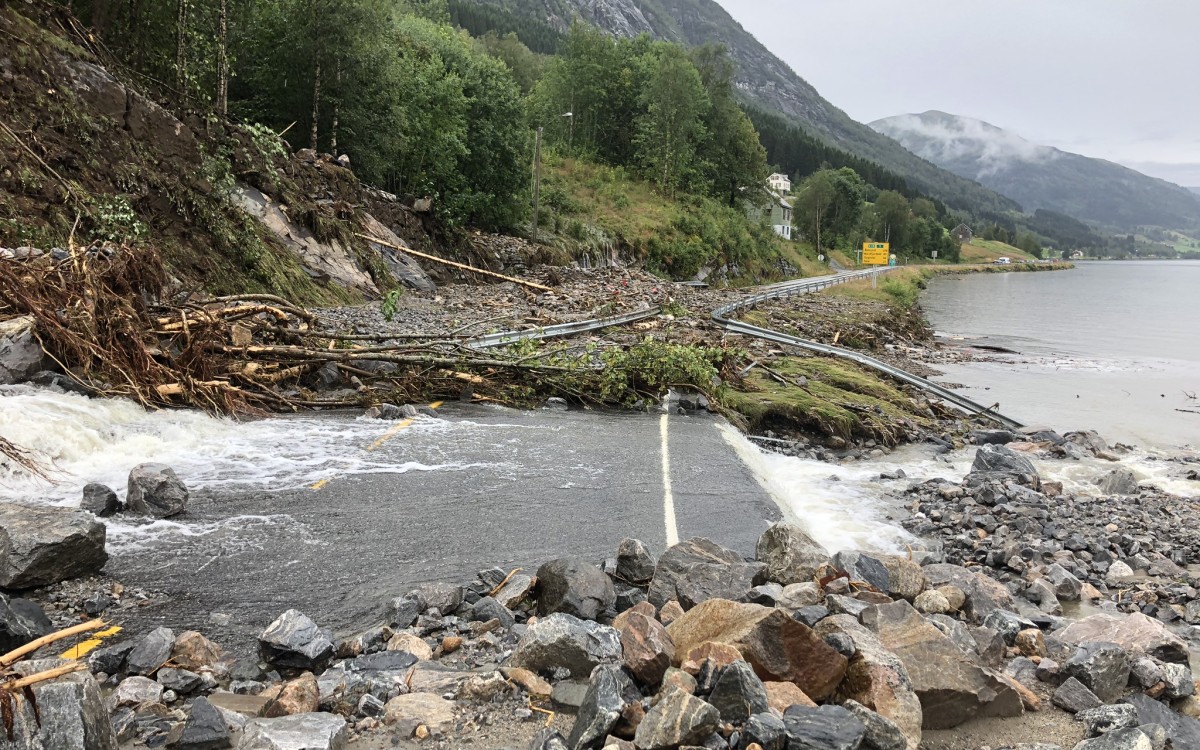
(1111,346)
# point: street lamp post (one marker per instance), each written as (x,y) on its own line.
(571,133)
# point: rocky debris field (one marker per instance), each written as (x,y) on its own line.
(697,648)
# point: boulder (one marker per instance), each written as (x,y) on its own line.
(150,652)
(403,611)
(1073,696)
(704,581)
(182,681)
(298,696)
(1066,586)
(204,729)
(677,560)
(294,641)
(677,719)
(765,730)
(1118,482)
(981,594)
(932,602)
(609,692)
(155,491)
(433,711)
(1184,731)
(782,695)
(21,621)
(775,645)
(560,641)
(1119,739)
(99,500)
(488,608)
(1102,668)
(1104,719)
(21,355)
(877,678)
(824,728)
(572,586)
(516,591)
(44,545)
(999,460)
(195,652)
(635,564)
(951,687)
(648,650)
(881,733)
(439,596)
(134,691)
(738,693)
(1136,633)
(316,731)
(791,555)
(66,713)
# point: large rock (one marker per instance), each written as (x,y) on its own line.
(1103,668)
(704,581)
(775,645)
(434,711)
(824,728)
(877,678)
(193,651)
(983,594)
(151,652)
(99,500)
(204,729)
(648,650)
(66,713)
(1118,482)
(791,555)
(881,733)
(895,576)
(318,731)
(44,545)
(609,692)
(295,642)
(572,586)
(951,687)
(1073,696)
(21,355)
(1002,461)
(676,561)
(560,641)
(738,693)
(1184,731)
(677,719)
(1136,633)
(21,621)
(635,564)
(1119,739)
(155,491)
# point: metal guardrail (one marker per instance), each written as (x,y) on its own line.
(805,286)
(563,329)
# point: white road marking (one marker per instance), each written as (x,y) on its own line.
(668,498)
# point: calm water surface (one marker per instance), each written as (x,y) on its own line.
(1109,346)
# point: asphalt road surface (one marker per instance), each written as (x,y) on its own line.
(484,487)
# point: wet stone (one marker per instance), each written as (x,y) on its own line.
(825,728)
(1073,696)
(294,641)
(738,693)
(151,652)
(1104,719)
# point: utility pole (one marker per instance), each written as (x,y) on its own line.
(537,176)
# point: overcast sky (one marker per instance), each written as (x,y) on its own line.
(1115,79)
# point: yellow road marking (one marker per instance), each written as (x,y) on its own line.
(319,484)
(399,426)
(435,404)
(83,648)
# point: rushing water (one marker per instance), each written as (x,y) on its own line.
(1109,346)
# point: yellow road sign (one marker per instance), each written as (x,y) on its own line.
(875,253)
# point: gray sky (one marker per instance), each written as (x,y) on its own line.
(1114,79)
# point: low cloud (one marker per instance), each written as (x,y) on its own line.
(942,138)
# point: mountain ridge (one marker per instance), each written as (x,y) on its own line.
(1043,177)
(764,80)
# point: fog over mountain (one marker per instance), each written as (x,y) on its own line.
(1038,176)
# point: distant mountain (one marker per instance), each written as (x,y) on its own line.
(1195,190)
(763,79)
(1039,176)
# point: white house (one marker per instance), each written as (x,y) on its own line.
(780,184)
(781,218)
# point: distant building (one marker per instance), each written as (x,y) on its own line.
(962,233)
(780,184)
(781,218)
(1077,255)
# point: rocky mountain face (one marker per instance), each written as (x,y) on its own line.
(1038,176)
(764,80)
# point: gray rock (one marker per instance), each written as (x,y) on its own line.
(1066,586)
(1118,739)
(810,616)
(1007,624)
(863,567)
(403,611)
(1145,672)
(180,680)
(738,693)
(1118,482)
(791,555)
(983,594)
(1073,696)
(488,608)
(635,564)
(204,729)
(609,692)
(21,621)
(560,641)
(705,581)
(997,459)
(572,586)
(881,732)
(547,739)
(66,713)
(316,731)
(677,719)
(110,659)
(569,694)
(1104,719)
(294,641)
(369,705)
(44,545)
(151,652)
(676,561)
(767,730)
(155,491)
(1183,731)
(443,597)
(1179,680)
(134,691)
(99,500)
(21,355)
(1103,668)
(825,728)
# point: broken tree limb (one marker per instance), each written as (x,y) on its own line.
(34,645)
(49,674)
(463,266)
